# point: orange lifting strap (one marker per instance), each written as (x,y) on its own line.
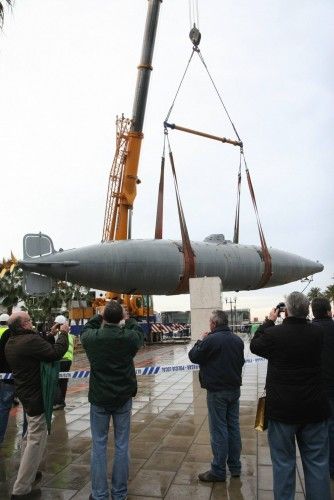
(237,210)
(188,253)
(264,249)
(160,205)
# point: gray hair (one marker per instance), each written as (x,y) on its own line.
(219,317)
(15,322)
(297,305)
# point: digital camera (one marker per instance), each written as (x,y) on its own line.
(280,308)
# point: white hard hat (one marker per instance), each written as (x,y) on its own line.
(61,320)
(4,317)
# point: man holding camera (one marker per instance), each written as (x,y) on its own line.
(296,403)
(25,350)
(111,344)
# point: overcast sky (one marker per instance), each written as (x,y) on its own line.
(67,68)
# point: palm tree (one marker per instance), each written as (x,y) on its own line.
(2,11)
(314,293)
(329,293)
(41,309)
(11,291)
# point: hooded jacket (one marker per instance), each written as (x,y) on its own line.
(24,351)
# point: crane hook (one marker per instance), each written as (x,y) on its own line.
(195,35)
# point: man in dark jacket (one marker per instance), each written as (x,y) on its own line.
(7,389)
(322,313)
(220,355)
(110,348)
(296,403)
(24,351)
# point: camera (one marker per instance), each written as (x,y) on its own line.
(280,308)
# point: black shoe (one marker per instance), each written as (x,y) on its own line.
(208,477)
(38,478)
(235,474)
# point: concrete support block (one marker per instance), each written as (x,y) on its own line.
(205,295)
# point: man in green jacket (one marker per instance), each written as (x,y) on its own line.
(110,348)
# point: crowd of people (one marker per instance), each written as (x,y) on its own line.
(299,392)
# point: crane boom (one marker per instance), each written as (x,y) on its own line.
(117,219)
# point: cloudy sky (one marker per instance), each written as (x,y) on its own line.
(67,68)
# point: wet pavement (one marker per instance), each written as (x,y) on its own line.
(170,441)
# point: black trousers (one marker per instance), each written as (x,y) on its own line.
(62,383)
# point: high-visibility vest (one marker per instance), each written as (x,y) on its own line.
(3,329)
(68,356)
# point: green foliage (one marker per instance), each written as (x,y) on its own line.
(329,293)
(314,292)
(2,11)
(41,309)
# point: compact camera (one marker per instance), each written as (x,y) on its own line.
(280,308)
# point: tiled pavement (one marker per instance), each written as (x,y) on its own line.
(169,439)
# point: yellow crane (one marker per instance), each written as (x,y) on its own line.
(123,179)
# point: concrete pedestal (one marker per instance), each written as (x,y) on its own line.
(205,296)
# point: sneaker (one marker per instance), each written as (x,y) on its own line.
(235,475)
(58,407)
(33,495)
(208,477)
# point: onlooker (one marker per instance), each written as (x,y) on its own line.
(220,355)
(7,390)
(111,347)
(24,351)
(322,313)
(296,403)
(65,363)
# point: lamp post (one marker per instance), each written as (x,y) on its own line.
(231,301)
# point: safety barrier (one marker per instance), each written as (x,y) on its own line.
(146,370)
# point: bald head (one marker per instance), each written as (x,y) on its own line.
(19,321)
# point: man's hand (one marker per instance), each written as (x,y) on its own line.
(273,315)
(54,329)
(205,334)
(125,312)
(64,328)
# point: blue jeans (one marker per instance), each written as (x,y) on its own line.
(312,441)
(6,402)
(223,410)
(99,421)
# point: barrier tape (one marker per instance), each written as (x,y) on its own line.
(146,370)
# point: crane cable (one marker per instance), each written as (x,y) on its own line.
(188,252)
(193,13)
(265,254)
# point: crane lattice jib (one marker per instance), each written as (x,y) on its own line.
(123,126)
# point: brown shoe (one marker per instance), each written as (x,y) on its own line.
(208,477)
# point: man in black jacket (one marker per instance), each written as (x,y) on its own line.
(220,355)
(322,313)
(296,403)
(24,351)
(7,389)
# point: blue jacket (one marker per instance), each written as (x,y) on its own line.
(220,357)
